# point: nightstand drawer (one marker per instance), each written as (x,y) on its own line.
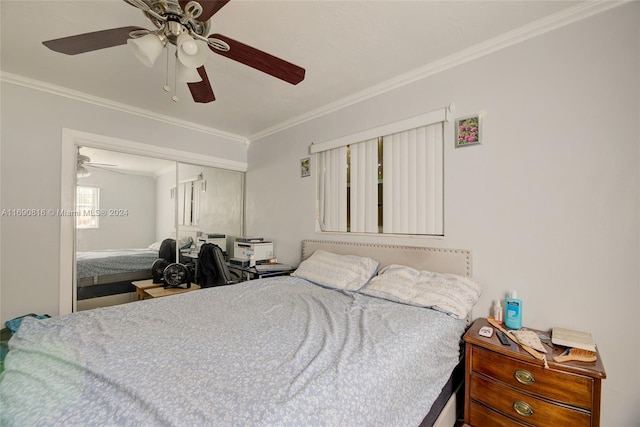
(481,416)
(524,407)
(563,387)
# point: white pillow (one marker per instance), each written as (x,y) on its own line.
(349,272)
(449,293)
(184,243)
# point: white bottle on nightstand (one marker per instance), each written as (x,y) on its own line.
(497,311)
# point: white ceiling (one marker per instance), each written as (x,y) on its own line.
(350,49)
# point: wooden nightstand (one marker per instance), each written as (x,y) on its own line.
(143,285)
(505,386)
(148,289)
(166,292)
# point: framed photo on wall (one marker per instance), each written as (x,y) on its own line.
(305,167)
(468,131)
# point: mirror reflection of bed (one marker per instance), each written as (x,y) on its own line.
(139,199)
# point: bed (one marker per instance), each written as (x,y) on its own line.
(275,351)
(110,271)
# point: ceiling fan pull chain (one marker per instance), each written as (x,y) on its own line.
(166,86)
(175,98)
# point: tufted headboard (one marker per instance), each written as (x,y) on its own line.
(439,260)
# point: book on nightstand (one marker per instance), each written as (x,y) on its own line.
(570,338)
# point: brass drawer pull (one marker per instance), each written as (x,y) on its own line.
(522,408)
(524,377)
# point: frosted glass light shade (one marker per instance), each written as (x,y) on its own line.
(191,52)
(147,49)
(82,172)
(186,74)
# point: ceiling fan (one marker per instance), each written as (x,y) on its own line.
(84,161)
(184,24)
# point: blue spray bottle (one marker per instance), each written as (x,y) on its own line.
(513,319)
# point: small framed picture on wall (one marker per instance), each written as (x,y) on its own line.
(468,131)
(305,167)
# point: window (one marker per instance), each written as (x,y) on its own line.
(87,207)
(387,180)
(189,201)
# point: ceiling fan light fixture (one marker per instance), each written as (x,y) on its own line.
(187,44)
(147,48)
(186,74)
(82,172)
(192,53)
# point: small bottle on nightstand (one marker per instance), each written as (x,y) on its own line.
(497,311)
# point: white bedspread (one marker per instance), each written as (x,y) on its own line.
(271,352)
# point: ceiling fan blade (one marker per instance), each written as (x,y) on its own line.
(100,164)
(259,60)
(108,169)
(209,7)
(140,4)
(202,91)
(88,42)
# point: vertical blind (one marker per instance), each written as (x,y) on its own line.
(364,187)
(332,189)
(188,206)
(411,179)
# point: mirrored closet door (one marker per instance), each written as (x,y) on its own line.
(127,205)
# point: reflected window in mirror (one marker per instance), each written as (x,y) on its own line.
(188,195)
(87,207)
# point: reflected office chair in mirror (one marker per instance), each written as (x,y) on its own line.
(212,268)
(167,250)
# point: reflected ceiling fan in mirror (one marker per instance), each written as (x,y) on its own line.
(185,25)
(84,162)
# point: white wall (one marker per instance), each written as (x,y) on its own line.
(134,198)
(548,204)
(31,134)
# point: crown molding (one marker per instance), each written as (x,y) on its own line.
(550,23)
(39,85)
